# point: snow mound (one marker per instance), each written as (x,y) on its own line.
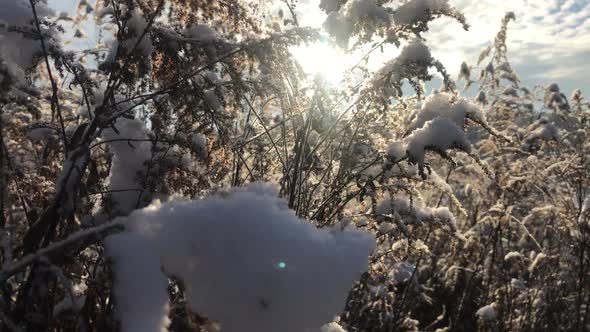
(439,135)
(245,259)
(448,106)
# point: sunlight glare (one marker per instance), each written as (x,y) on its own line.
(321,58)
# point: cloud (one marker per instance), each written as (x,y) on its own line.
(550,40)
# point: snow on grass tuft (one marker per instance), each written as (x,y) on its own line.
(245,259)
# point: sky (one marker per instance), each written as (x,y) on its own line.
(549,41)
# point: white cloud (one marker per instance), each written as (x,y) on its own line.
(550,39)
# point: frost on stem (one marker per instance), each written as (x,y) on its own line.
(245,259)
(412,213)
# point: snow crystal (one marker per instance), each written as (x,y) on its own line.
(246,260)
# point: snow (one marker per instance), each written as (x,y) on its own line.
(447,106)
(385,227)
(419,11)
(487,313)
(330,5)
(465,72)
(201,32)
(128,162)
(66,183)
(245,259)
(137,25)
(415,212)
(540,258)
(544,130)
(140,287)
(414,54)
(340,24)
(554,99)
(481,98)
(212,101)
(15,50)
(339,27)
(332,327)
(199,142)
(359,9)
(584,210)
(401,272)
(73,300)
(396,150)
(40,133)
(510,91)
(513,255)
(439,134)
(577,95)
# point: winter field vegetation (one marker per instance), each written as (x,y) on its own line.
(183,173)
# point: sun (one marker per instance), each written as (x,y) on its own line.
(323,59)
